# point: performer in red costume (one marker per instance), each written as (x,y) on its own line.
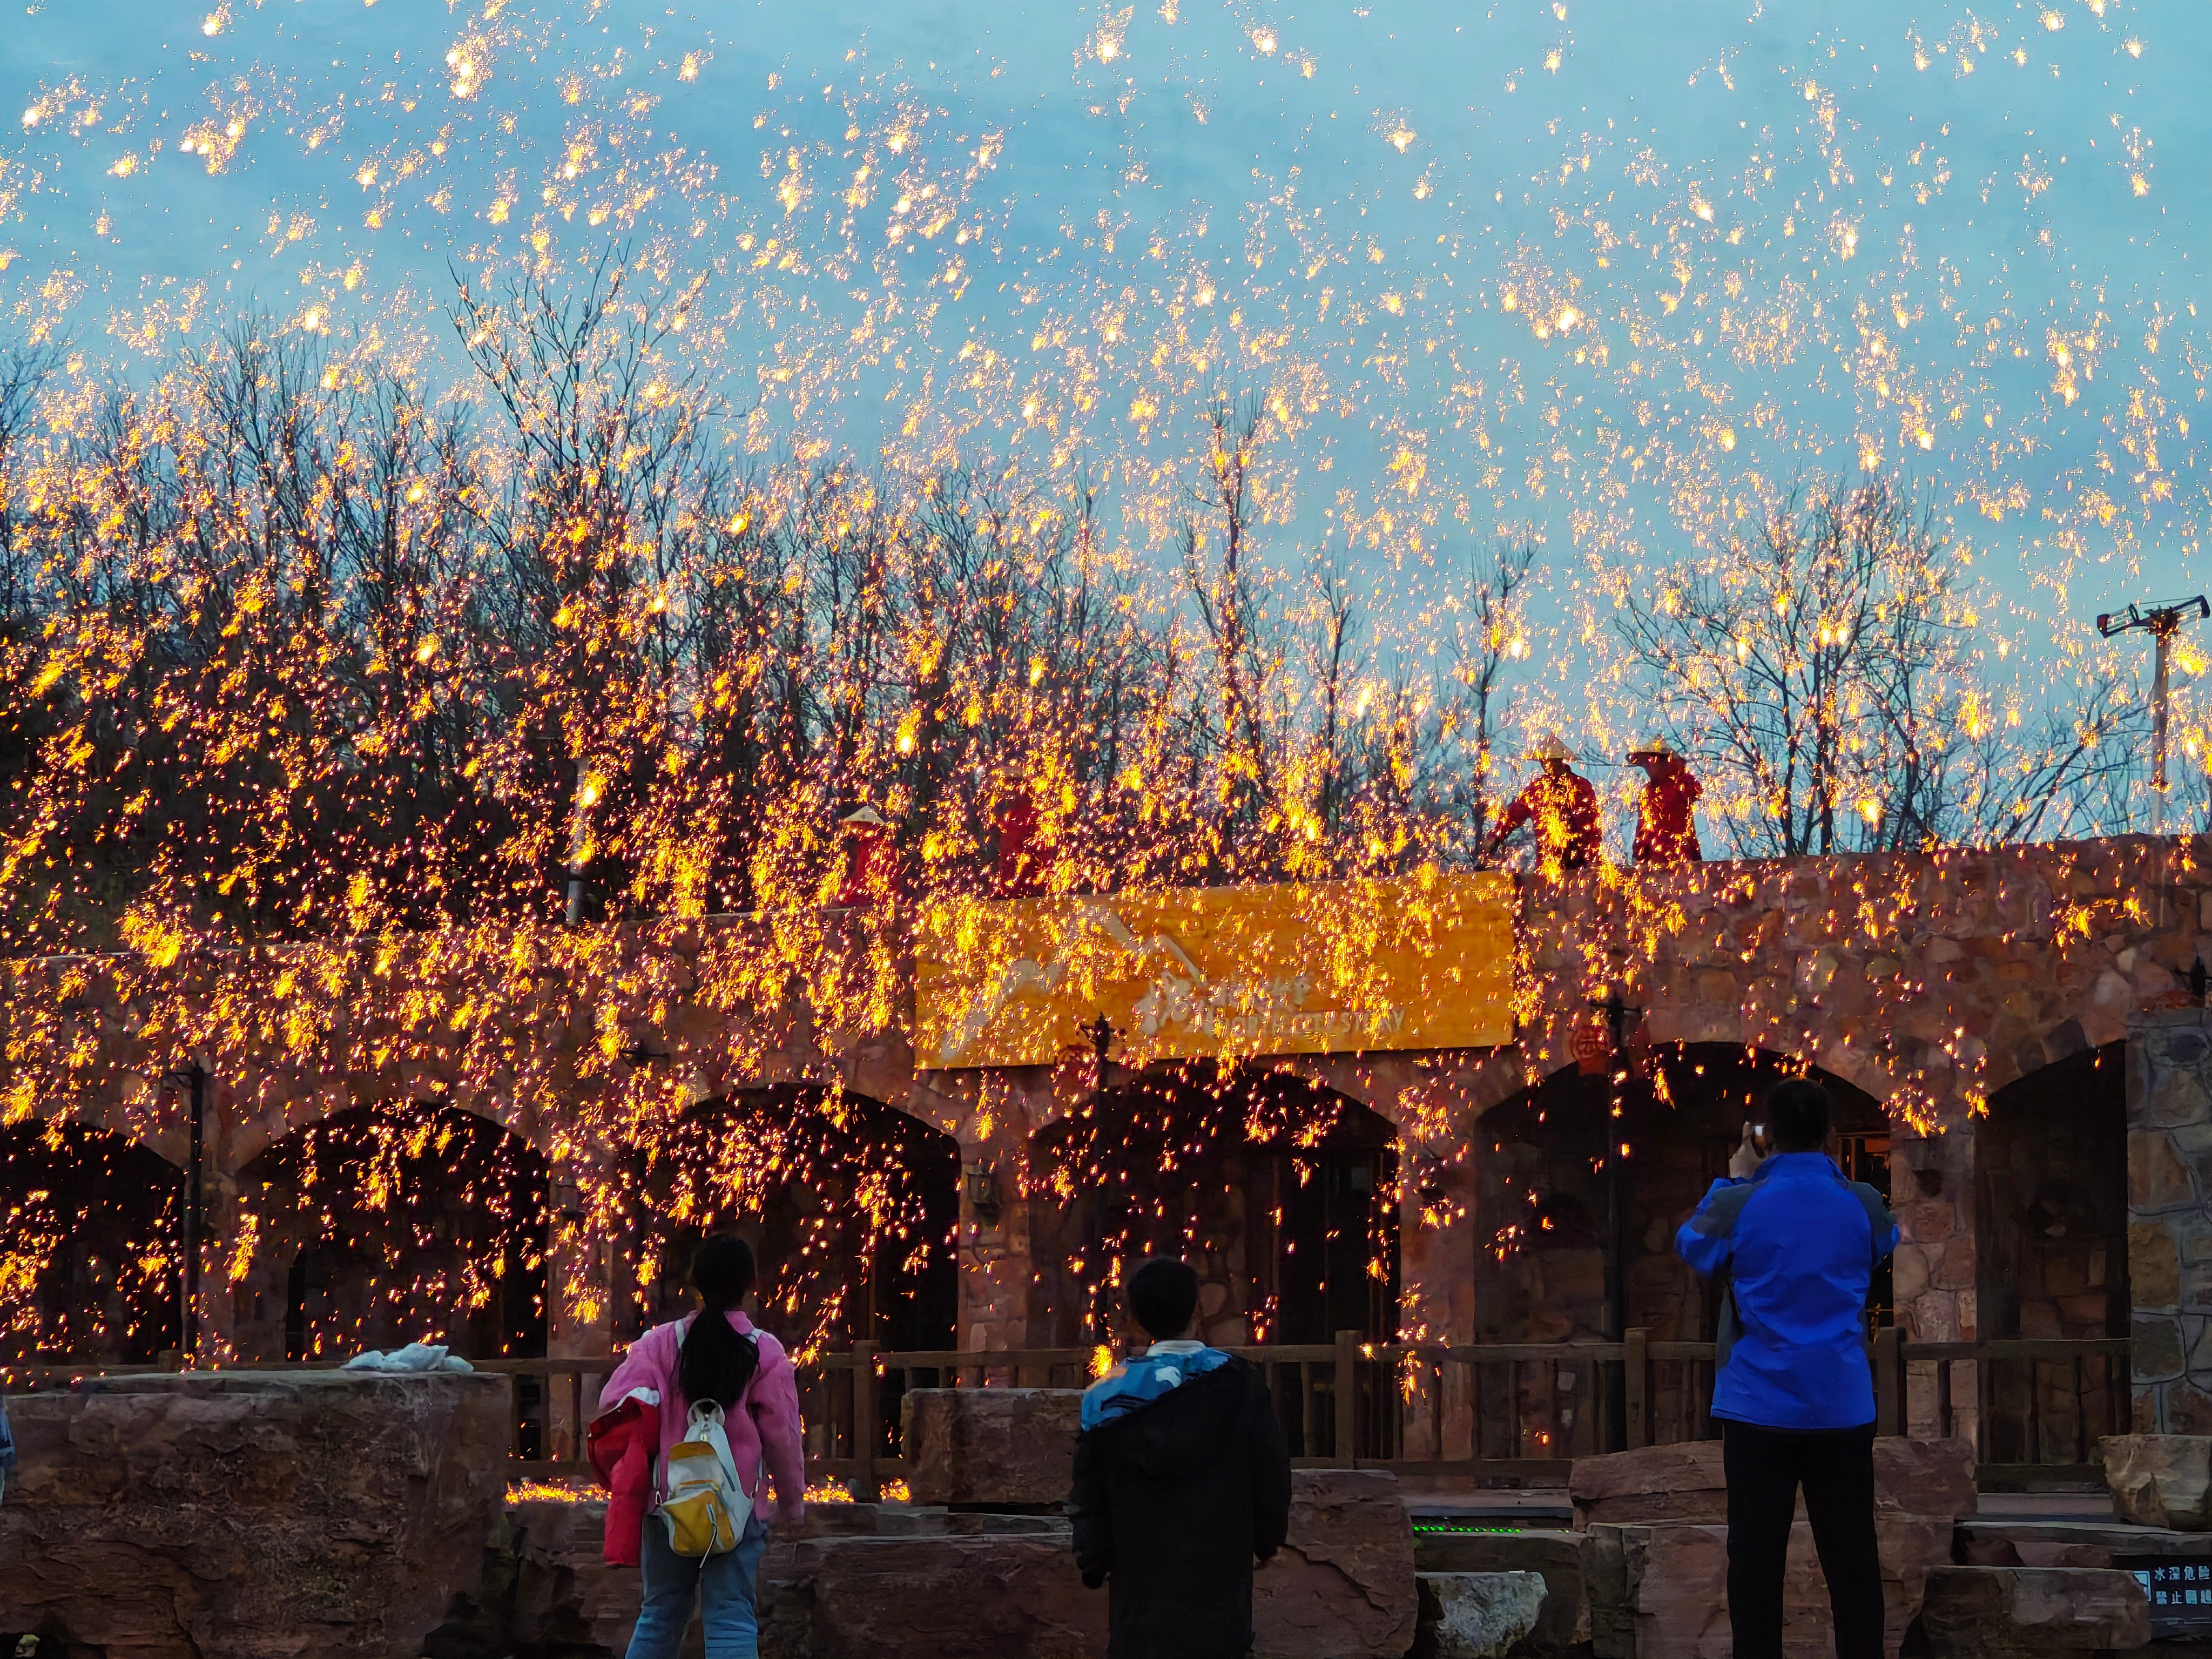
(1561,805)
(1666,819)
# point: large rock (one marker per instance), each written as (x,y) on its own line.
(1661,1591)
(1686,1482)
(2023,1613)
(1475,1615)
(2161,1479)
(1563,1623)
(1924,1479)
(547,1590)
(928,1598)
(977,1586)
(253,1515)
(2070,1543)
(990,1446)
(1682,1482)
(1343,1587)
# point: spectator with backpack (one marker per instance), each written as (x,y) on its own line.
(717,1403)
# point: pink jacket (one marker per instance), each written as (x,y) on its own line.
(764,1429)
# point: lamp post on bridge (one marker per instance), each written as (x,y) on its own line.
(194,1080)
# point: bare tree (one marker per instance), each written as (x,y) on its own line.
(1490,637)
(1819,672)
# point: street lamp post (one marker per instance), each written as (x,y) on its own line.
(2162,623)
(194,1080)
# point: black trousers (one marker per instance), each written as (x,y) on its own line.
(1765,1469)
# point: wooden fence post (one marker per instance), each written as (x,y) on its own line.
(1348,1399)
(867,1421)
(1889,1381)
(1636,1385)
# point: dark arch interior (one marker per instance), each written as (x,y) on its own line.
(1555,1192)
(88,1238)
(2050,1163)
(394,1224)
(849,1206)
(2050,1177)
(1282,1193)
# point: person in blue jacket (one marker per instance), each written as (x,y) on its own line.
(1796,1246)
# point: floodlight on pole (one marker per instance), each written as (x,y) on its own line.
(2162,623)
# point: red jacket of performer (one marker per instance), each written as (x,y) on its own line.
(1562,805)
(1666,818)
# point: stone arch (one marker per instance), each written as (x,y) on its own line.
(2050,1250)
(375,1225)
(850,1204)
(1238,1168)
(1574,1240)
(257,1114)
(2051,1167)
(90,1218)
(1546,1054)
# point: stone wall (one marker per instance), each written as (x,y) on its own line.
(1927,982)
(321,1515)
(2170,1219)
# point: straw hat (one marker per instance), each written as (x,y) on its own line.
(1548,747)
(1655,745)
(866,815)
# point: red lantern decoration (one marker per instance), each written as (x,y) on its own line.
(1593,1048)
(867,838)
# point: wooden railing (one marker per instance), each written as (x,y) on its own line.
(1501,1414)
(2038,1407)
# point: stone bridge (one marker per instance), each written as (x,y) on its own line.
(1930,982)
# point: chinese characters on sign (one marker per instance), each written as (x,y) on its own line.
(1424,962)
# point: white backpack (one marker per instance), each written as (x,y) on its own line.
(705,1509)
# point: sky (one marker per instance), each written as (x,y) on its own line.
(1612,274)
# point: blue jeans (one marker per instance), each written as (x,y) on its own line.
(722,1584)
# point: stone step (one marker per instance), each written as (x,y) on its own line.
(2033,1612)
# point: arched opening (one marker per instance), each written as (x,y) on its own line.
(1282,1194)
(1582,1182)
(90,1247)
(381,1225)
(849,1206)
(2050,1176)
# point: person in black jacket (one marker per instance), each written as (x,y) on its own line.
(1183,1481)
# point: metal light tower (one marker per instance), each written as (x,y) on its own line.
(2162,623)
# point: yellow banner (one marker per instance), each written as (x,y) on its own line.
(1334,968)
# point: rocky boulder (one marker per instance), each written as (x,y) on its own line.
(926,1584)
(1681,1483)
(2010,1543)
(1343,1587)
(1930,1479)
(547,1590)
(1661,1591)
(1475,1615)
(2161,1479)
(2026,1613)
(991,1446)
(253,1514)
(861,1597)
(1563,1621)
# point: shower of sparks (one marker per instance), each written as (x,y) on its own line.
(559,481)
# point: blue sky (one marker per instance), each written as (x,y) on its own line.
(1612,270)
